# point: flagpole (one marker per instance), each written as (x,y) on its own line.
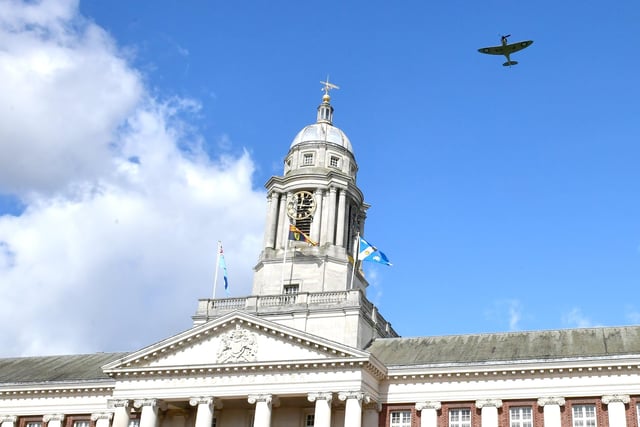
(356,251)
(284,258)
(215,280)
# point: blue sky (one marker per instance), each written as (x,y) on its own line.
(137,134)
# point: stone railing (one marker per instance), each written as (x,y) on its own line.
(212,308)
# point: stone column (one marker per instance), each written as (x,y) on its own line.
(370,412)
(331,226)
(317,217)
(53,420)
(8,420)
(102,419)
(353,407)
(121,413)
(262,416)
(489,415)
(272,220)
(204,412)
(551,410)
(342,199)
(428,413)
(322,412)
(283,222)
(149,412)
(616,409)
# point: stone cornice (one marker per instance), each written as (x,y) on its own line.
(201,371)
(484,372)
(40,390)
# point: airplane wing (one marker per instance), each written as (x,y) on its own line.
(504,50)
(514,47)
(495,50)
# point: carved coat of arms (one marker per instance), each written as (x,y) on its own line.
(238,345)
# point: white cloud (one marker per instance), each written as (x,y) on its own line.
(123,208)
(509,308)
(515,314)
(575,319)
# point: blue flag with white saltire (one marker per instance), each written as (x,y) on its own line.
(223,266)
(368,252)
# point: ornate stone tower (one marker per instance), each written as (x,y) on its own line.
(319,196)
(309,282)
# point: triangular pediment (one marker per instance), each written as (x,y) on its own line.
(236,339)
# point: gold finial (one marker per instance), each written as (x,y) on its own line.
(327,87)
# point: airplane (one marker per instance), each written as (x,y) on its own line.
(506,49)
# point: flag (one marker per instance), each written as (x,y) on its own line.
(368,252)
(223,266)
(299,236)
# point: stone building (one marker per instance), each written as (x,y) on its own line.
(307,348)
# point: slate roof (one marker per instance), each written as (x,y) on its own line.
(513,346)
(79,367)
(587,343)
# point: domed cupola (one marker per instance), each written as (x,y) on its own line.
(321,145)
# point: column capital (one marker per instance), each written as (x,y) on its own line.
(255,398)
(53,417)
(201,400)
(610,398)
(8,418)
(312,397)
(344,395)
(153,403)
(118,403)
(543,401)
(102,416)
(428,405)
(489,403)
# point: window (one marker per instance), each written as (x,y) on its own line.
(30,422)
(309,420)
(290,292)
(334,161)
(213,422)
(134,422)
(307,159)
(520,417)
(400,419)
(584,416)
(81,423)
(460,417)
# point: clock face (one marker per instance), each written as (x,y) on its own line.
(302,205)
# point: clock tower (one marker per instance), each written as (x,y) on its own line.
(305,276)
(318,195)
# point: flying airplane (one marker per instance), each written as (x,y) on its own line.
(506,49)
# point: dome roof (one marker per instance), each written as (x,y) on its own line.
(322,132)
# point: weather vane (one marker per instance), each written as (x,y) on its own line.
(328,86)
